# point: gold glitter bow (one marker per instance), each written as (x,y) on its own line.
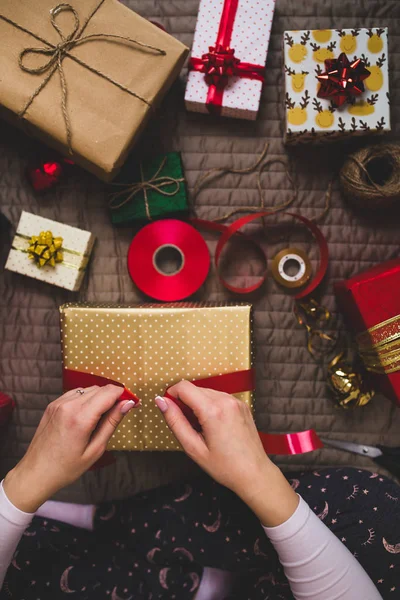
(347,384)
(344,380)
(379,346)
(313,316)
(45,249)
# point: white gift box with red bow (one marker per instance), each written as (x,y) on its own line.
(227,79)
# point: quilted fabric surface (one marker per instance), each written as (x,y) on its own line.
(291,388)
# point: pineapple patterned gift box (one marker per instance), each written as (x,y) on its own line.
(311,118)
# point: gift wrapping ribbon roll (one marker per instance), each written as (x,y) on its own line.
(300,258)
(167,234)
(228,231)
(230,383)
(220,63)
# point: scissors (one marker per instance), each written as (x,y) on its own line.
(385,456)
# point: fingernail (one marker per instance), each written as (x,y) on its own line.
(161,403)
(125,408)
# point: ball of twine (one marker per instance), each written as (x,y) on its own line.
(371,176)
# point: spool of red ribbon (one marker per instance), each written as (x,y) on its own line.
(228,231)
(193,260)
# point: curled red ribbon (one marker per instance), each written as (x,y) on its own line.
(231,383)
(220,63)
(228,231)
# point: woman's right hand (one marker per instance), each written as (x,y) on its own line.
(229,449)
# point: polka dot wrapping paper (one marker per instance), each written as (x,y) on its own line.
(250,40)
(149,348)
(77,246)
(311,118)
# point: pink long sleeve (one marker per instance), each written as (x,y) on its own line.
(318,566)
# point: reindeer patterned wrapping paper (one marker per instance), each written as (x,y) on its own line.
(309,117)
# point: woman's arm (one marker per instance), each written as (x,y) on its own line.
(317,565)
(71,437)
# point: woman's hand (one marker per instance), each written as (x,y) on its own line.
(71,437)
(229,449)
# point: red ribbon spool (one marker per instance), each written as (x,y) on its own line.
(228,231)
(184,239)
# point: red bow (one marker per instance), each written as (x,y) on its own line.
(219,64)
(342,81)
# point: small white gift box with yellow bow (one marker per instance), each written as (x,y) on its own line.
(50,251)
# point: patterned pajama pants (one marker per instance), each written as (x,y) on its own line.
(156,544)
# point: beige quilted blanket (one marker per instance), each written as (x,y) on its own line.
(291,393)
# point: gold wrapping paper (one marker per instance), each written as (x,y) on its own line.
(105,121)
(150,347)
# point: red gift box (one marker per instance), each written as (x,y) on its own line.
(370,302)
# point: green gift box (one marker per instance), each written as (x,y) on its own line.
(149,190)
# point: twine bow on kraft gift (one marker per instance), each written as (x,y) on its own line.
(55,54)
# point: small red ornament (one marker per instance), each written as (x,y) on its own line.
(7,405)
(45,176)
(343,80)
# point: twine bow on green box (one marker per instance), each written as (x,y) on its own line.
(149,191)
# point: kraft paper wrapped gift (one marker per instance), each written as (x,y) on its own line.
(228,57)
(71,258)
(149,348)
(98,102)
(310,118)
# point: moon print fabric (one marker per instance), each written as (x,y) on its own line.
(155,545)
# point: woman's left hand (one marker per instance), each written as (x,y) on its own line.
(71,437)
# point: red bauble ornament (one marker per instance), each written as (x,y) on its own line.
(48,173)
(343,80)
(7,405)
(45,176)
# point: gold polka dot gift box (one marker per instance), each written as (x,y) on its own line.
(150,347)
(50,251)
(336,83)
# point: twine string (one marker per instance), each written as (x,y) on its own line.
(357,180)
(259,166)
(157,183)
(55,55)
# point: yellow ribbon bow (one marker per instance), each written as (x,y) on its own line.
(45,249)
